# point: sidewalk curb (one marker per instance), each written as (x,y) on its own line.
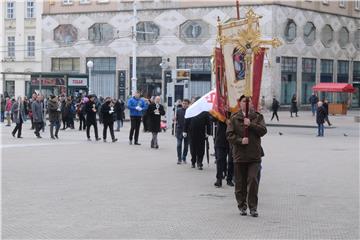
(295,126)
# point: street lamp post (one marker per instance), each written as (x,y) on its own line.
(134,46)
(90,65)
(164,65)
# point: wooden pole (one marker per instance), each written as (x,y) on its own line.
(238,9)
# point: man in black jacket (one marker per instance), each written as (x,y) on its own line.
(199,129)
(179,130)
(90,109)
(54,109)
(107,110)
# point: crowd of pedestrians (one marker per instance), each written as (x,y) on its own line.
(237,141)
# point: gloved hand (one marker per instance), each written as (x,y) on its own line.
(184,134)
(138,108)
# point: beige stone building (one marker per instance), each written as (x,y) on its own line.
(20,44)
(321,43)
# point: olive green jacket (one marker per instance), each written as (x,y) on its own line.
(235,132)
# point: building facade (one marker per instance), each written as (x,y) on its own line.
(320,43)
(20,41)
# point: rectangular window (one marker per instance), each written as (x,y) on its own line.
(308,78)
(31,46)
(356,72)
(343,72)
(326,74)
(357,4)
(288,79)
(11,46)
(10,10)
(30,9)
(342,3)
(10,88)
(67,2)
(149,75)
(84,1)
(65,64)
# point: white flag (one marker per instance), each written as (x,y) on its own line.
(204,104)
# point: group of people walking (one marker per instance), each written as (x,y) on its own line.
(237,144)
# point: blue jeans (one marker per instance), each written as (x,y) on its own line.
(321,129)
(180,139)
(313,108)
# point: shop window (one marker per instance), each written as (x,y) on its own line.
(308,78)
(10,88)
(326,74)
(288,78)
(343,72)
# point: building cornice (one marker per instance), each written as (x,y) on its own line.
(197,7)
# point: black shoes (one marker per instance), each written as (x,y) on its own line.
(19,137)
(13,134)
(104,140)
(230,183)
(98,139)
(218,183)
(254,213)
(178,162)
(114,140)
(200,168)
(89,139)
(52,138)
(38,136)
(130,142)
(137,143)
(57,137)
(243,212)
(192,165)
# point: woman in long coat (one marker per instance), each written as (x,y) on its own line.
(154,113)
(294,108)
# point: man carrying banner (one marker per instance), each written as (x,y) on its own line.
(246,154)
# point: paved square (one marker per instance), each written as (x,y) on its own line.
(71,188)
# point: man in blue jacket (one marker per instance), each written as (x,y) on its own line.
(137,106)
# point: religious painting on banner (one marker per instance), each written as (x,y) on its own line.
(242,52)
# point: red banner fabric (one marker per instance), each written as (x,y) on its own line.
(219,106)
(257,74)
